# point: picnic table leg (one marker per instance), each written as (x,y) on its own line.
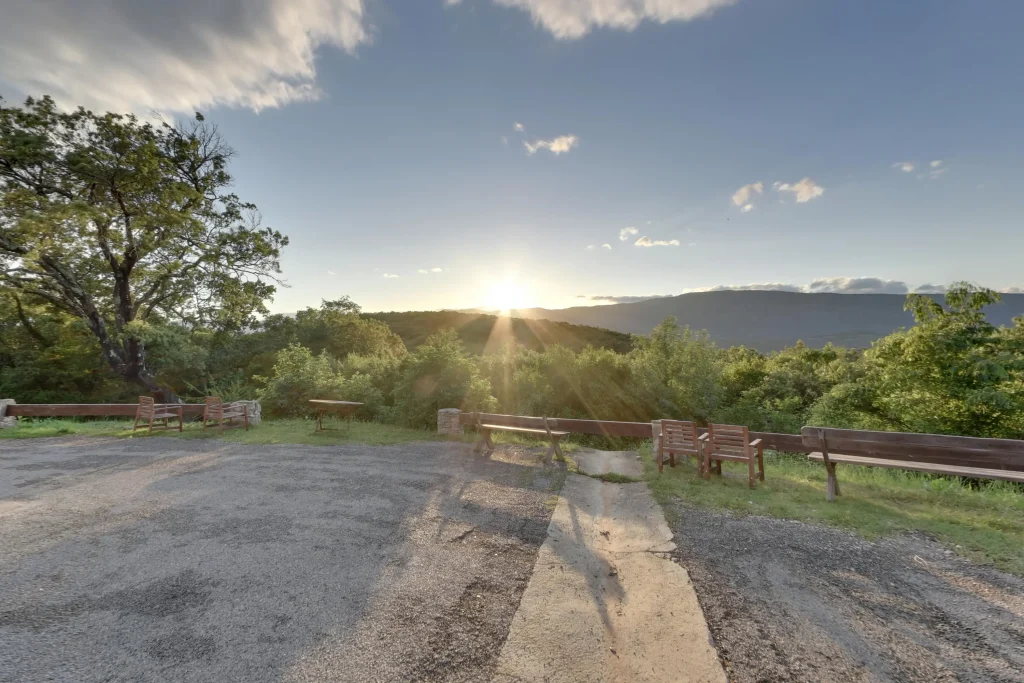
(556,448)
(484,441)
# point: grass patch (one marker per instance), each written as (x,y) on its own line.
(985,523)
(613,478)
(297,431)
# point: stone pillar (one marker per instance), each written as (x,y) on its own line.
(448,421)
(5,419)
(255,412)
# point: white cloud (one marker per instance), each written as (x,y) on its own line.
(857,285)
(330,272)
(646,241)
(426,271)
(575,18)
(625,233)
(518,127)
(390,275)
(1013,290)
(591,247)
(747,207)
(758,286)
(936,163)
(559,145)
(930,289)
(937,169)
(742,196)
(905,166)
(174,56)
(606,246)
(804,191)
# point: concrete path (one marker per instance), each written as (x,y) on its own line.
(626,463)
(604,603)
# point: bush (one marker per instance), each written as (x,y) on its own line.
(298,377)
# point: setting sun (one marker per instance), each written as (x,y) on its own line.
(507,295)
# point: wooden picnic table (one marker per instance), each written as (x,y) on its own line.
(342,408)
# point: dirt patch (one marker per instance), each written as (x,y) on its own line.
(788,601)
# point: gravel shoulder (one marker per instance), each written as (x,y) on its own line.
(788,601)
(171,560)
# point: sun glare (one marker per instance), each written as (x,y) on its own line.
(506,296)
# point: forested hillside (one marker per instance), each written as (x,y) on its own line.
(482,333)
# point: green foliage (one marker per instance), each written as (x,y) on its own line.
(440,374)
(116,222)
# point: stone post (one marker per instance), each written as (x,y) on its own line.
(255,412)
(5,419)
(448,421)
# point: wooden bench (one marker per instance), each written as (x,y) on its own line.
(150,413)
(678,437)
(484,438)
(341,408)
(217,413)
(732,442)
(961,456)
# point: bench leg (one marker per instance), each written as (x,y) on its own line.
(833,484)
(554,448)
(760,463)
(751,478)
(484,440)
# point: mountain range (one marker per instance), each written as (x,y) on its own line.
(766,320)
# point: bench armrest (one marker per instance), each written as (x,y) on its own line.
(755,443)
(703,437)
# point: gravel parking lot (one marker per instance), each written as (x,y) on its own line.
(788,601)
(172,560)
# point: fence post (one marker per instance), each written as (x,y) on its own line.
(6,420)
(448,422)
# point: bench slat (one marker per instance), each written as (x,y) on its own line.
(933,468)
(525,430)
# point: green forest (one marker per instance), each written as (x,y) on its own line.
(128,266)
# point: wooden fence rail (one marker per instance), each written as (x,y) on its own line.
(792,443)
(86,409)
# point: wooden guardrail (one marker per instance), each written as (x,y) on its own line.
(86,409)
(792,443)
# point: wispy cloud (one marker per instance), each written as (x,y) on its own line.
(570,19)
(238,53)
(391,275)
(626,233)
(804,190)
(559,145)
(426,271)
(591,247)
(905,166)
(646,241)
(930,289)
(627,299)
(518,127)
(330,272)
(742,196)
(858,285)
(937,170)
(606,246)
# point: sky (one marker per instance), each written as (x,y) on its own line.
(451,154)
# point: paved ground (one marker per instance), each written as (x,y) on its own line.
(605,603)
(788,601)
(171,560)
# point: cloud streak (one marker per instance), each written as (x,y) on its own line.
(570,19)
(804,190)
(626,233)
(646,241)
(175,57)
(559,145)
(627,299)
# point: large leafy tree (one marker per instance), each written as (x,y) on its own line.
(128,224)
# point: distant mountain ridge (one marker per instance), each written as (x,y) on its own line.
(767,320)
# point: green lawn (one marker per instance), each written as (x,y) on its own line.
(270,432)
(985,524)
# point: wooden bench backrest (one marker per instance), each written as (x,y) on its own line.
(679,435)
(728,439)
(147,407)
(213,401)
(967,451)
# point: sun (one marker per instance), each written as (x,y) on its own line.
(506,295)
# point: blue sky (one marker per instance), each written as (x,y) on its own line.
(874,139)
